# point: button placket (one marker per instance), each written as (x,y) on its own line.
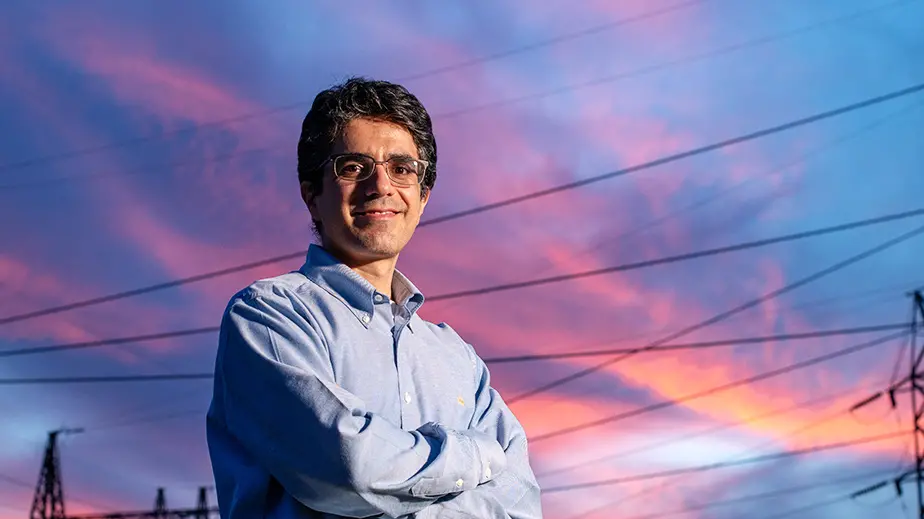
(404,386)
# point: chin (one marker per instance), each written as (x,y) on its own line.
(380,245)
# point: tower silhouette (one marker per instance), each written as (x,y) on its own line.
(48,502)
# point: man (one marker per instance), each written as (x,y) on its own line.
(332,397)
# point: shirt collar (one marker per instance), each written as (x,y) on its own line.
(354,290)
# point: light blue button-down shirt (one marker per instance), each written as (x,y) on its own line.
(332,400)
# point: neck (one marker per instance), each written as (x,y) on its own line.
(379,272)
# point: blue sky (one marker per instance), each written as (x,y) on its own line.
(115,175)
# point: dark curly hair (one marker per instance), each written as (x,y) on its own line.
(360,97)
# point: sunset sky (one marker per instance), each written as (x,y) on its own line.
(147,141)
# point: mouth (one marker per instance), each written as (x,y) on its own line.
(384,213)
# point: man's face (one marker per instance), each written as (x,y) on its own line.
(370,219)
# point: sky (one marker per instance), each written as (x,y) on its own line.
(148,141)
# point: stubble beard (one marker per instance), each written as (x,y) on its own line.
(380,240)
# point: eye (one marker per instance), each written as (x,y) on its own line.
(351,168)
(405,167)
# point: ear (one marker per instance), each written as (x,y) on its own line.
(424,198)
(310,200)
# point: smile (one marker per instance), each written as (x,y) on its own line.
(376,214)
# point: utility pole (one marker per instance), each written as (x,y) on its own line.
(913,384)
(48,502)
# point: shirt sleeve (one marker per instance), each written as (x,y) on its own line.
(320,441)
(515,494)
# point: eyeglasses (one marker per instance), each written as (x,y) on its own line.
(356,167)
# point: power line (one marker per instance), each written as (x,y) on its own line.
(699,345)
(626,75)
(718,389)
(411,77)
(203,376)
(487,207)
(149,289)
(108,342)
(811,506)
(701,203)
(763,495)
(668,481)
(679,156)
(682,257)
(14,481)
(498,360)
(711,430)
(488,360)
(104,379)
(813,303)
(608,79)
(723,464)
(726,314)
(20,483)
(161,417)
(728,49)
(456,295)
(552,41)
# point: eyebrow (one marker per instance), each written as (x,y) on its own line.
(389,156)
(401,156)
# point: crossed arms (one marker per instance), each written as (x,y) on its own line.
(334,455)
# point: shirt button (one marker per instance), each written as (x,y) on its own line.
(407,397)
(365,318)
(487,471)
(379,298)
(459,483)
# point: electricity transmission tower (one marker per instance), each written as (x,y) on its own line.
(48,502)
(914,384)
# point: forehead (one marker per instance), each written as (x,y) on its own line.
(375,138)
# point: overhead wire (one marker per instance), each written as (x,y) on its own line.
(682,257)
(208,375)
(704,202)
(680,438)
(696,345)
(815,303)
(595,82)
(211,329)
(20,483)
(758,496)
(751,450)
(754,42)
(57,348)
(811,506)
(718,389)
(561,38)
(486,207)
(722,465)
(721,51)
(104,378)
(726,314)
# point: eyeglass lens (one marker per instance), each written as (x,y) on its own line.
(402,170)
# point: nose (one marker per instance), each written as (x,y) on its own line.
(379,183)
